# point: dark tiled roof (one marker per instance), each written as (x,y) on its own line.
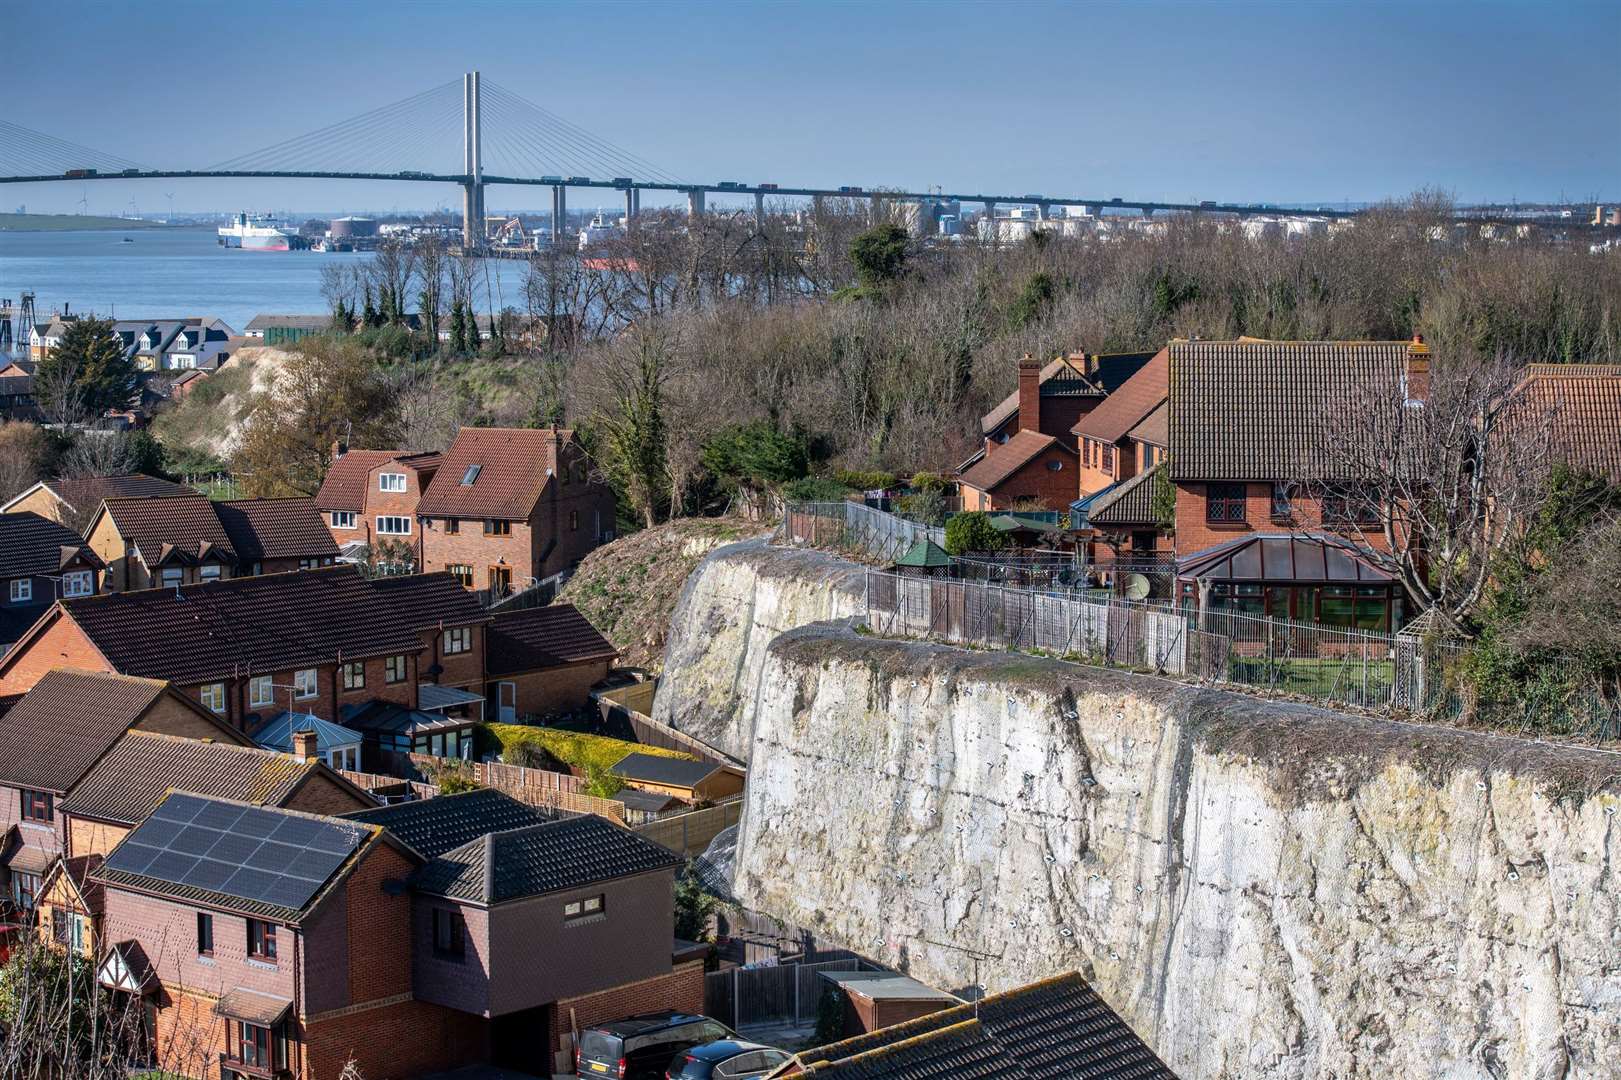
(1258,410)
(1584,401)
(290,322)
(962,1051)
(1067,377)
(563,854)
(654,769)
(1130,502)
(344,486)
(143,767)
(1005,460)
(276,529)
(514,465)
(434,826)
(172,526)
(1056,1029)
(277,622)
(543,637)
(30,544)
(66,723)
(86,493)
(1129,404)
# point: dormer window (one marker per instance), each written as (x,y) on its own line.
(391,481)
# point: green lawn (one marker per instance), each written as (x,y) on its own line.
(1338,679)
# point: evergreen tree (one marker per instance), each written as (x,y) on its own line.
(86,374)
(369,312)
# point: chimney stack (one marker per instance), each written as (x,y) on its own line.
(304,746)
(1029,393)
(1416,377)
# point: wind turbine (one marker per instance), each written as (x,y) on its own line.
(170,196)
(84,203)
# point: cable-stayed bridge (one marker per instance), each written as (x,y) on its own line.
(503,139)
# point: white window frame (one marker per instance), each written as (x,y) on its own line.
(78,583)
(306,684)
(212,695)
(265,682)
(396,518)
(393,482)
(343,519)
(212,571)
(22,590)
(457,640)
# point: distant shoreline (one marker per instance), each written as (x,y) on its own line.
(81,223)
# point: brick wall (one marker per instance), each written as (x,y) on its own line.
(682,989)
(188,1037)
(1056,488)
(86,837)
(553,689)
(50,838)
(1195,533)
(320,794)
(465,669)
(59,644)
(395,1040)
(469,545)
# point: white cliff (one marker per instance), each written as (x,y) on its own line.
(1261,889)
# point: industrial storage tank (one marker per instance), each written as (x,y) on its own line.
(349,227)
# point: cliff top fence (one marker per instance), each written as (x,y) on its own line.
(689,834)
(537,787)
(881,535)
(1335,665)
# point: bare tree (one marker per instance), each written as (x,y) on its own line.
(1440,467)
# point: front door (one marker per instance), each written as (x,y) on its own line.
(500,581)
(507,701)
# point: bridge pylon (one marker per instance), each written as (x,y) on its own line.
(472,165)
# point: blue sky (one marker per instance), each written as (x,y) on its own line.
(1276,102)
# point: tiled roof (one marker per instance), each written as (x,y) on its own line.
(86,493)
(143,767)
(344,486)
(1584,401)
(1130,404)
(290,322)
(434,826)
(1257,410)
(163,529)
(962,1051)
(277,622)
(1005,460)
(1056,1029)
(555,855)
(65,723)
(30,544)
(653,769)
(513,467)
(276,529)
(1130,502)
(542,637)
(1067,377)
(1155,428)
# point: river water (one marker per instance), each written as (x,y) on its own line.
(172,273)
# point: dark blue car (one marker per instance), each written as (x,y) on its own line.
(725,1059)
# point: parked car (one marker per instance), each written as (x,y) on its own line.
(725,1059)
(640,1047)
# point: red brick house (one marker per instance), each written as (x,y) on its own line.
(369,497)
(1122,442)
(510,507)
(1029,450)
(40,560)
(528,919)
(266,942)
(247,648)
(51,738)
(153,541)
(1246,429)
(542,660)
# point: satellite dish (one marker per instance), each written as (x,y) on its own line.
(1137,587)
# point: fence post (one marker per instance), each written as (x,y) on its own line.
(736,1000)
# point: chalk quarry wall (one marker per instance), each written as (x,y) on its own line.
(1261,889)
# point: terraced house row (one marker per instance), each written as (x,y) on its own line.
(262,916)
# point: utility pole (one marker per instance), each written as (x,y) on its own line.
(472,166)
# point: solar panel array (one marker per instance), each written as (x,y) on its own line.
(247,852)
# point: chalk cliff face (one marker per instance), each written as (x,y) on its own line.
(739,599)
(1261,889)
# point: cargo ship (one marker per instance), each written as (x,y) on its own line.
(257,233)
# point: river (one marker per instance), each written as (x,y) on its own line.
(172,273)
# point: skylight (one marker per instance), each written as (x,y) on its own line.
(470,475)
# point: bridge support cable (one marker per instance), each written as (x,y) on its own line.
(419,134)
(26,152)
(522,136)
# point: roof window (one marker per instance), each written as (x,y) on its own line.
(471,474)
